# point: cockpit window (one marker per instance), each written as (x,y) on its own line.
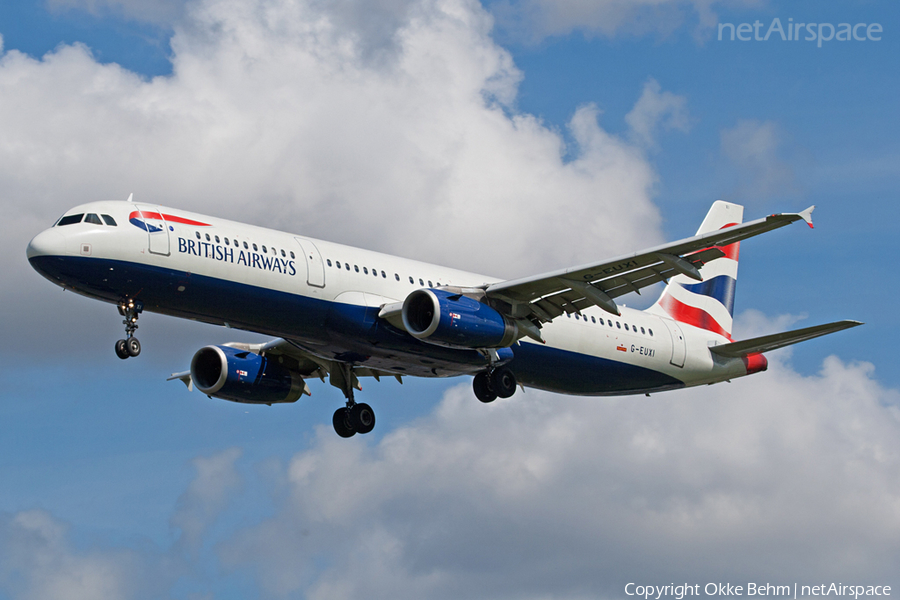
(109,220)
(70,219)
(93,219)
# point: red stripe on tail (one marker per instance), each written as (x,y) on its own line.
(690,315)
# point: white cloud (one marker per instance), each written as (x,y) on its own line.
(278,114)
(779,476)
(776,477)
(657,110)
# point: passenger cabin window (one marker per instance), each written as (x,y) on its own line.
(207,237)
(255,248)
(245,246)
(282,253)
(93,219)
(411,279)
(365,270)
(328,262)
(292,254)
(109,220)
(217,240)
(397,276)
(70,220)
(264,250)
(227,243)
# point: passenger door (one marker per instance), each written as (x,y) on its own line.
(315,267)
(157,230)
(678,350)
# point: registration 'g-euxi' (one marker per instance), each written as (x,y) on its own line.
(347,314)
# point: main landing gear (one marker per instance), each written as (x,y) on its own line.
(495,383)
(353,418)
(130,346)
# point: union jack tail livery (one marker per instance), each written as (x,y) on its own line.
(708,304)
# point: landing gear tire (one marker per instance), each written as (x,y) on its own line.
(482,387)
(132,346)
(362,418)
(341,422)
(503,382)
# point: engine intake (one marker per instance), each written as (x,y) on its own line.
(445,319)
(242,376)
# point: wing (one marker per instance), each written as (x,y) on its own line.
(547,296)
(306,364)
(779,340)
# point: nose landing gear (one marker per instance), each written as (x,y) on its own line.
(130,346)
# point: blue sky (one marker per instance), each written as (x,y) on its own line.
(558,131)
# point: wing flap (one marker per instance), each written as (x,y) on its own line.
(779,340)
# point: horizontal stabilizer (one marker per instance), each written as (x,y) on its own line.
(779,340)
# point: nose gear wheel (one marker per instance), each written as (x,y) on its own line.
(130,346)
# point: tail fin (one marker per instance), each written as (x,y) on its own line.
(710,303)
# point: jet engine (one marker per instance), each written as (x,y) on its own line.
(446,319)
(242,376)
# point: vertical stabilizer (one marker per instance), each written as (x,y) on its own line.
(708,304)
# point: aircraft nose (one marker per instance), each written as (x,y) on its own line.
(47,243)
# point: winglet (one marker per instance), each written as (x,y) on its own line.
(806,215)
(130,197)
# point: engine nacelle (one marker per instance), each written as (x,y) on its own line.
(242,376)
(439,317)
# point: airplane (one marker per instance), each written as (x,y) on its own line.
(346,313)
